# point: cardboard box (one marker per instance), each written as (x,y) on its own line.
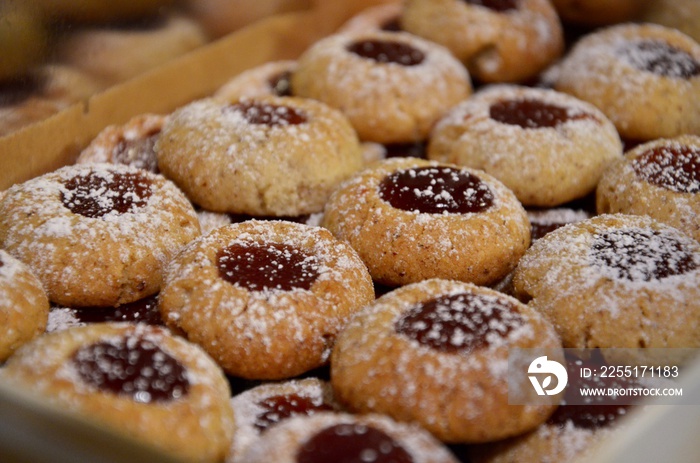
(660,433)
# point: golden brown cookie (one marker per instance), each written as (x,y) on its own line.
(660,179)
(436,353)
(265,299)
(132,144)
(382,17)
(137,380)
(327,437)
(263,407)
(548,147)
(96,234)
(278,156)
(598,12)
(615,281)
(269,79)
(644,77)
(392,86)
(498,41)
(24,307)
(117,53)
(411,219)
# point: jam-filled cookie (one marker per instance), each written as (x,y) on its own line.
(660,179)
(392,86)
(412,219)
(265,299)
(264,156)
(340,437)
(24,307)
(383,17)
(263,407)
(615,281)
(498,41)
(598,12)
(132,144)
(436,353)
(543,221)
(138,380)
(644,77)
(97,234)
(271,78)
(548,147)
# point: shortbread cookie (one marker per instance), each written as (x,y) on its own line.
(437,353)
(412,219)
(383,17)
(261,408)
(644,77)
(24,307)
(615,281)
(132,144)
(660,179)
(265,299)
(548,147)
(264,156)
(96,234)
(498,41)
(269,79)
(339,437)
(392,86)
(137,380)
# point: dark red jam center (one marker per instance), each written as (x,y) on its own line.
(661,58)
(436,190)
(281,407)
(261,266)
(352,443)
(533,114)
(142,311)
(238,218)
(496,5)
(406,150)
(640,255)
(460,322)
(139,152)
(268,114)
(594,415)
(96,195)
(132,367)
(392,25)
(385,51)
(281,84)
(675,168)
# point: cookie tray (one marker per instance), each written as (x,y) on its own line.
(33,431)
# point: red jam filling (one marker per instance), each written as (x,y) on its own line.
(96,195)
(132,367)
(640,255)
(533,114)
(268,114)
(675,168)
(436,190)
(142,311)
(138,152)
(662,59)
(352,443)
(384,51)
(496,5)
(261,266)
(281,84)
(281,407)
(459,323)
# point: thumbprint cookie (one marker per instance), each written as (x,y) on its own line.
(437,353)
(97,234)
(138,380)
(660,179)
(339,437)
(411,219)
(548,147)
(392,86)
(267,156)
(269,79)
(615,280)
(644,77)
(498,40)
(24,307)
(266,299)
